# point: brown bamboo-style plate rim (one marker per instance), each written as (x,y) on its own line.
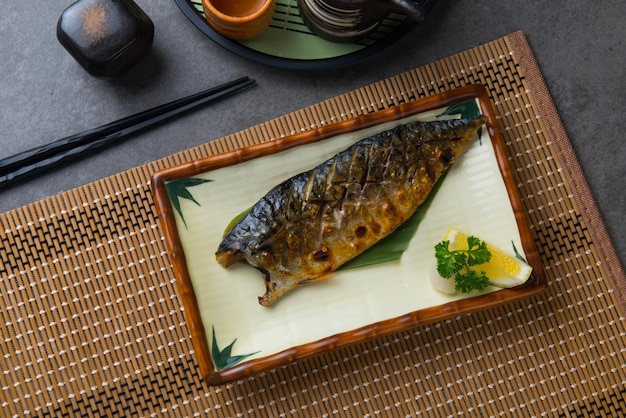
(535,286)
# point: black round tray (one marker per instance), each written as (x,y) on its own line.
(288,43)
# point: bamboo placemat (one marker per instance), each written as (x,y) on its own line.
(91,324)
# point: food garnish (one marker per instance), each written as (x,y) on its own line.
(457,264)
(475,264)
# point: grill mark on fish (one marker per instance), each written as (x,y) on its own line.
(306,227)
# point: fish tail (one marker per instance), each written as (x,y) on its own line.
(276,288)
(461,126)
(273,289)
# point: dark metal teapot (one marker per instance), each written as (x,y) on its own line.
(351,20)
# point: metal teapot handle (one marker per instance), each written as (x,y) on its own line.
(409,8)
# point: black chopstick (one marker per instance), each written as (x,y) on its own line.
(36,160)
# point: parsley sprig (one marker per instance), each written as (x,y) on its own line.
(459,263)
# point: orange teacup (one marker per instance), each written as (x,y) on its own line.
(239,19)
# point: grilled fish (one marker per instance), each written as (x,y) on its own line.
(306,227)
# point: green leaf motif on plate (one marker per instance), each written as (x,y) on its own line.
(467,109)
(518,255)
(223,359)
(177,190)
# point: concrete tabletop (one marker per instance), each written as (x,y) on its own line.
(46,95)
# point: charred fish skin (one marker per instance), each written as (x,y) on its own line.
(306,227)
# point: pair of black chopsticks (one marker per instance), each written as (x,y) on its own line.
(36,160)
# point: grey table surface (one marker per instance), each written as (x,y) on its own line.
(45,94)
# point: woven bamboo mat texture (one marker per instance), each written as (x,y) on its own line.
(91,324)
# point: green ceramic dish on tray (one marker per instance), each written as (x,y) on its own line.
(289,43)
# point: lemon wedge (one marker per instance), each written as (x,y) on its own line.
(503,270)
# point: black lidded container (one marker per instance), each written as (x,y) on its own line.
(106,37)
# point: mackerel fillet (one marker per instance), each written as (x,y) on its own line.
(306,227)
